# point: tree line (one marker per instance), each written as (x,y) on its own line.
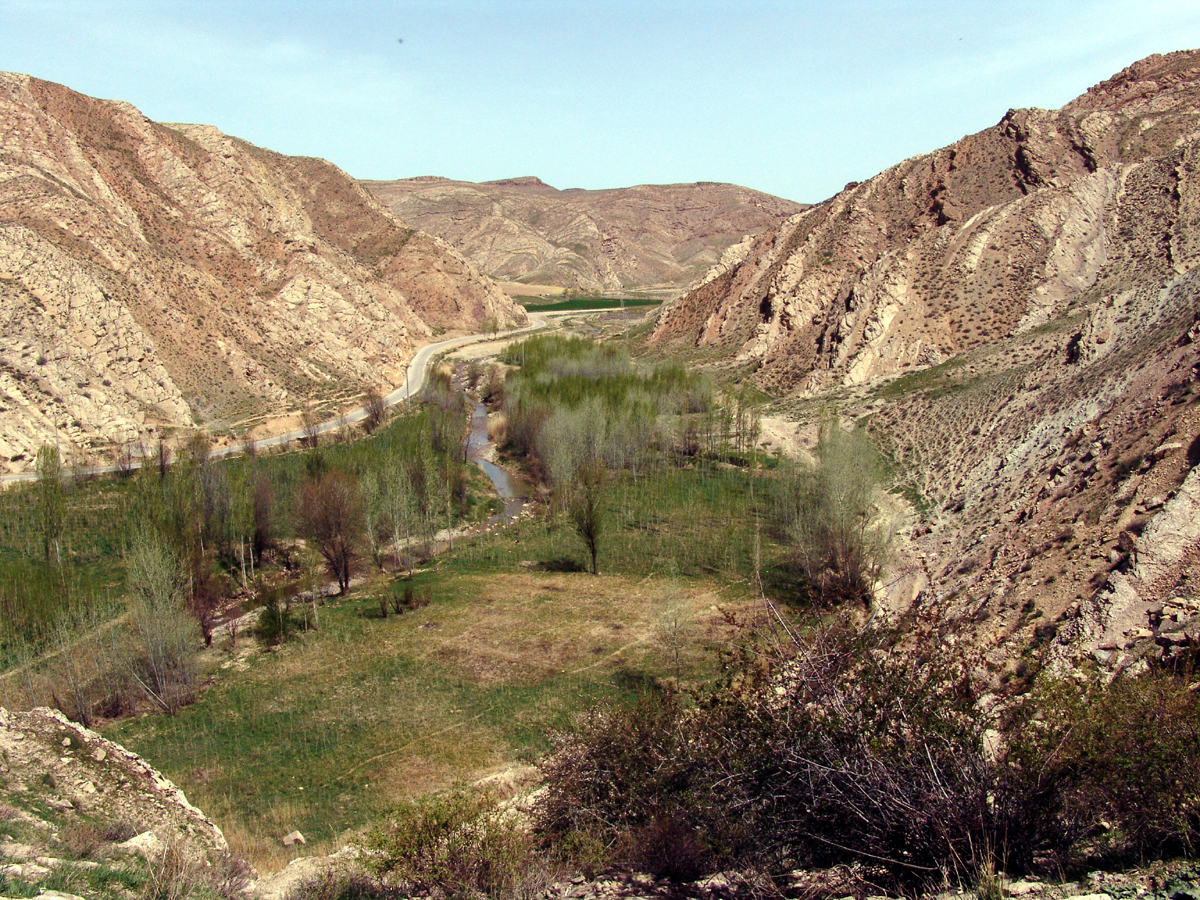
(189,540)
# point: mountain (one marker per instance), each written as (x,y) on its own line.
(521,229)
(157,277)
(1016,317)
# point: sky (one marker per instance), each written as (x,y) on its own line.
(792,98)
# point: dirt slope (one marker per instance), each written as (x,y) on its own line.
(1017,316)
(162,276)
(521,229)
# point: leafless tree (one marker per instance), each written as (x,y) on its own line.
(51,505)
(264,498)
(375,408)
(329,513)
(158,582)
(163,457)
(123,460)
(311,429)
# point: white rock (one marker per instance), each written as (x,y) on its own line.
(146,844)
(1021,888)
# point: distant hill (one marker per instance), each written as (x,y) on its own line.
(169,276)
(521,229)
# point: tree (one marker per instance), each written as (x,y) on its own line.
(310,428)
(51,508)
(841,535)
(162,458)
(157,580)
(585,509)
(375,409)
(124,460)
(397,492)
(329,513)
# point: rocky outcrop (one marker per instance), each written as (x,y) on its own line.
(56,768)
(158,277)
(1016,318)
(949,251)
(521,229)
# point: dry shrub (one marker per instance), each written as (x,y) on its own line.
(170,875)
(230,877)
(119,831)
(847,748)
(868,749)
(81,840)
(669,847)
(175,873)
(345,884)
(612,777)
(497,429)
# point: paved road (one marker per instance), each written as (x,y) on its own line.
(414,381)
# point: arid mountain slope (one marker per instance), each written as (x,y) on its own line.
(160,276)
(524,230)
(1018,317)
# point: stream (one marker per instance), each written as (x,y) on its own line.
(477,449)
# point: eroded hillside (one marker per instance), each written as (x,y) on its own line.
(522,229)
(1017,317)
(160,276)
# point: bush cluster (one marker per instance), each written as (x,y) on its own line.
(872,749)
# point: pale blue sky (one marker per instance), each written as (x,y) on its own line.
(791,98)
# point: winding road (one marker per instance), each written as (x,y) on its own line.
(414,381)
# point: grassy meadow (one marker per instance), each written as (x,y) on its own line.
(583,304)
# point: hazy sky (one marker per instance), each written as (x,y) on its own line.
(791,98)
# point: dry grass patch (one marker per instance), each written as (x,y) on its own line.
(529,627)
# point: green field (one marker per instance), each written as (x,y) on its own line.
(581,304)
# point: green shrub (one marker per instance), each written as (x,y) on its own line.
(459,844)
(274,622)
(1115,764)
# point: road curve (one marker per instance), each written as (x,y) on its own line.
(414,381)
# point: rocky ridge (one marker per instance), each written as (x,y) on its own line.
(521,229)
(157,277)
(1016,318)
(72,800)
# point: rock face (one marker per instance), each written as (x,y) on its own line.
(521,229)
(992,236)
(1018,318)
(160,276)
